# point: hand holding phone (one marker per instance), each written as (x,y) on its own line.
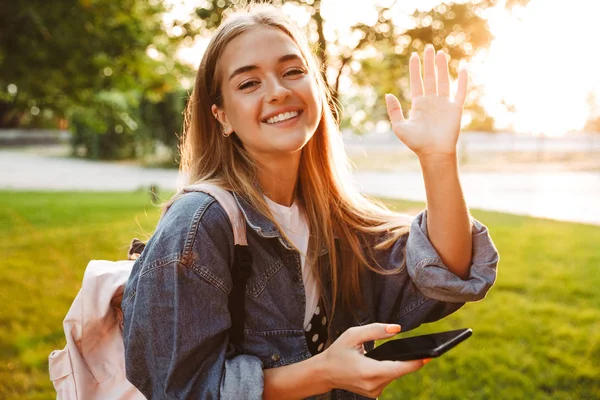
(419,347)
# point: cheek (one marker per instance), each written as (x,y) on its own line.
(245,113)
(316,103)
(246,122)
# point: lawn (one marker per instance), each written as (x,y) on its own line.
(536,335)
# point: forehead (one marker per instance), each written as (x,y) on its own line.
(259,46)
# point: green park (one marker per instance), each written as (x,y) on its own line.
(92,94)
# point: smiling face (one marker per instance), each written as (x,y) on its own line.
(270,98)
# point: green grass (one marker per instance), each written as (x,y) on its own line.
(536,335)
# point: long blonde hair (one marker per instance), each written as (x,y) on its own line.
(334,207)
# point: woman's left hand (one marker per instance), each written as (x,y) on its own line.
(433,125)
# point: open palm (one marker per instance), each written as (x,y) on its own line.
(433,125)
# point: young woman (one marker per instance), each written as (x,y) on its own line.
(332,270)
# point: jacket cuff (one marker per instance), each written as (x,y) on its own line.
(433,278)
(243,378)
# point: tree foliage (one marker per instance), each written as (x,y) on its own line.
(458,28)
(104,64)
(60,54)
(92,61)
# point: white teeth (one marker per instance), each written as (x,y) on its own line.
(282,117)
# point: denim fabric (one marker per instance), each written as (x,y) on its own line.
(176,312)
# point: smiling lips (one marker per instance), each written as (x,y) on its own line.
(282,117)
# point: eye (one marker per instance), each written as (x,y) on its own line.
(294,71)
(248,84)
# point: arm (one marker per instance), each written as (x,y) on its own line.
(296,381)
(431,133)
(448,222)
(176,311)
(425,290)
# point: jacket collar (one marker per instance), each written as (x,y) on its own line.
(262,225)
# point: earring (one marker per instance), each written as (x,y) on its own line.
(225,134)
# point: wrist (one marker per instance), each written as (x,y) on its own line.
(300,380)
(438,168)
(438,158)
(322,372)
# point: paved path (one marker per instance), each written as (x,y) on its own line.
(568,196)
(28,171)
(565,196)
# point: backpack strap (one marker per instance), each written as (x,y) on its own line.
(226,201)
(242,264)
(242,269)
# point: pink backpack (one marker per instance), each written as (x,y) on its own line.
(92,364)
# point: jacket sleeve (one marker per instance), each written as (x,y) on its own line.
(425,290)
(176,310)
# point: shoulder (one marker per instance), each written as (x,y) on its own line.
(188,226)
(193,240)
(193,210)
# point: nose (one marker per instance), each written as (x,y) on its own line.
(276,90)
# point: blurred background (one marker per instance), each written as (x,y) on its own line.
(91,101)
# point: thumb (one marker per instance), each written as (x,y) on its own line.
(400,368)
(375,331)
(394,109)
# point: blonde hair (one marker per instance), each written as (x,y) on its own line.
(334,207)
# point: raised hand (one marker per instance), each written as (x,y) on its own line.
(434,120)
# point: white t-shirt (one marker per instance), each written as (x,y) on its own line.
(295,225)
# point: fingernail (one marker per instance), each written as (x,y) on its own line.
(393,328)
(426,360)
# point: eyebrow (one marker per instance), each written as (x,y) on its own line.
(248,68)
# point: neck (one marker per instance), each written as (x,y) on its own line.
(278,178)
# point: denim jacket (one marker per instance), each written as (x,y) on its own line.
(175,305)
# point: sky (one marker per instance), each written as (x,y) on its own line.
(542,60)
(545,63)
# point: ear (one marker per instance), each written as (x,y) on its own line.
(220,116)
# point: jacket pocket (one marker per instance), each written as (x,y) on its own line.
(277,347)
(257,282)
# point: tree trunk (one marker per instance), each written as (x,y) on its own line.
(322,43)
(9,117)
(322,54)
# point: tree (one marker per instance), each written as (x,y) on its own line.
(457,28)
(333,67)
(95,62)
(60,55)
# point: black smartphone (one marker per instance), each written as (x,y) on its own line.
(419,347)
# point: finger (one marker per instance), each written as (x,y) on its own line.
(394,369)
(406,367)
(414,68)
(366,333)
(441,62)
(429,82)
(394,109)
(461,92)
